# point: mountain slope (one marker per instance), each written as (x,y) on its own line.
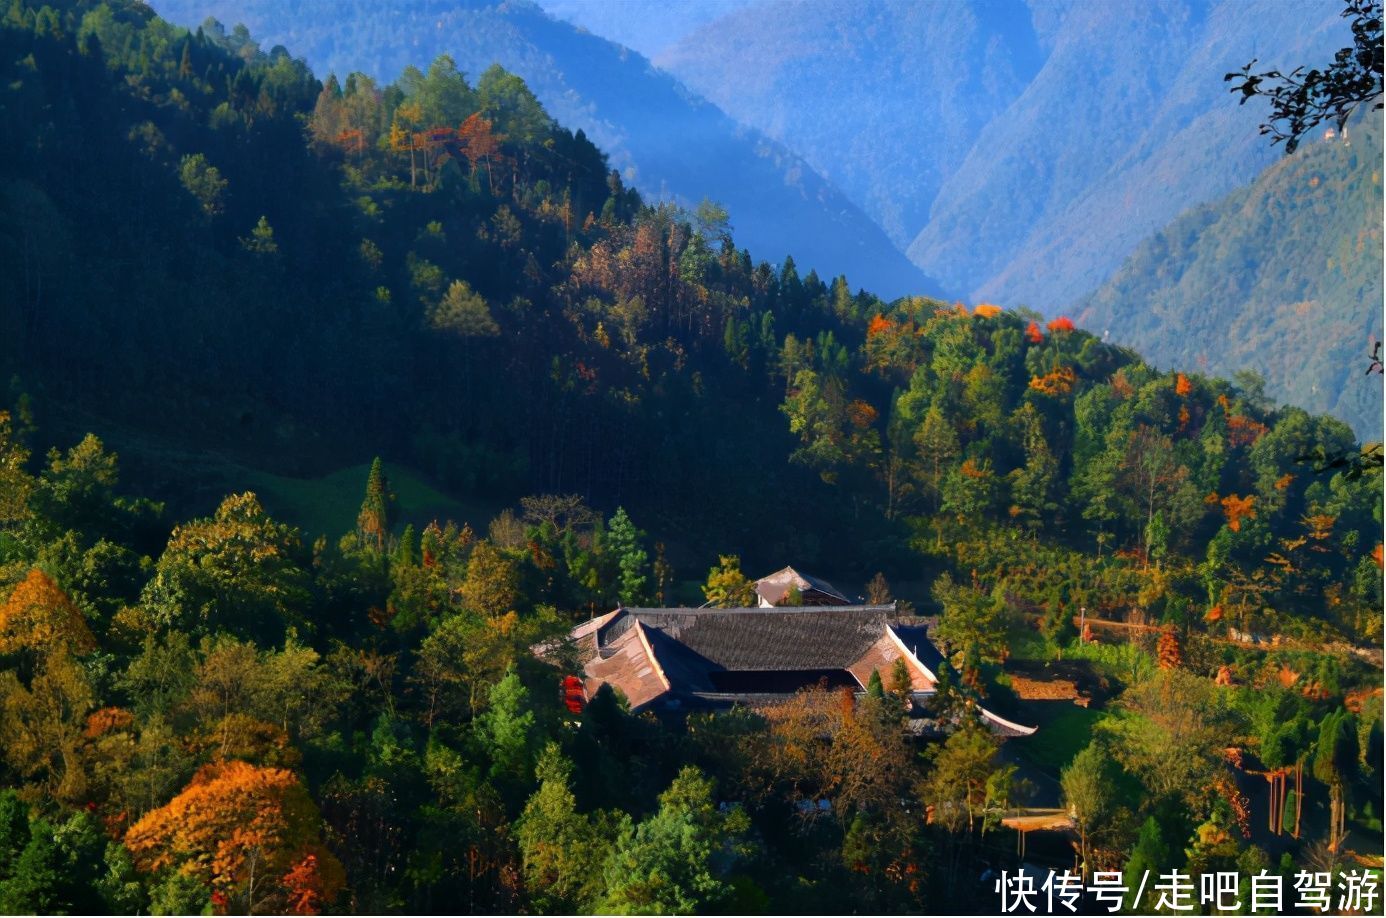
(648,26)
(885,99)
(1283,277)
(669,143)
(1018,150)
(1127,124)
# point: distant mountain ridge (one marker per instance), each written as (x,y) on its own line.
(1019,151)
(1283,276)
(887,97)
(668,142)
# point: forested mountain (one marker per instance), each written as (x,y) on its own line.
(1019,150)
(666,141)
(284,269)
(204,708)
(1282,276)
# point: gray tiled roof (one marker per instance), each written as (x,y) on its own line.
(916,638)
(782,638)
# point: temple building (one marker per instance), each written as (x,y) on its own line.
(772,590)
(671,661)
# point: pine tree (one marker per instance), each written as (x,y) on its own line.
(463,312)
(508,730)
(1150,855)
(404,551)
(623,542)
(377,510)
(563,853)
(261,242)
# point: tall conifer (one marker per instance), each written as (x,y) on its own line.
(377,510)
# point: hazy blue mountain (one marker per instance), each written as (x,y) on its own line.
(884,98)
(648,26)
(1019,150)
(1128,124)
(1283,276)
(667,141)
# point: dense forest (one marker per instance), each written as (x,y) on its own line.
(1283,274)
(666,141)
(204,707)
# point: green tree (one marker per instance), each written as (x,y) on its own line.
(957,785)
(973,622)
(507,101)
(1033,484)
(1150,856)
(459,662)
(938,447)
(64,869)
(14,830)
(1153,481)
(815,410)
(508,728)
(623,542)
(677,861)
(1335,764)
(260,242)
(239,571)
(463,312)
(971,491)
(561,849)
(1088,793)
(35,883)
(204,182)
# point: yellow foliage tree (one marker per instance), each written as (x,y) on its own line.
(39,616)
(727,587)
(42,725)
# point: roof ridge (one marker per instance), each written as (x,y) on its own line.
(890,608)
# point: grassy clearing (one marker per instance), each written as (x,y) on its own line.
(328,505)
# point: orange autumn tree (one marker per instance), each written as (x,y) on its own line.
(1170,654)
(1238,508)
(39,616)
(1056,383)
(1033,333)
(251,833)
(481,145)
